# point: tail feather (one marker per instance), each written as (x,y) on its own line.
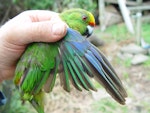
(38,102)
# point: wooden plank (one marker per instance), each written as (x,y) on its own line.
(141,8)
(138,27)
(126,16)
(101,4)
(133,3)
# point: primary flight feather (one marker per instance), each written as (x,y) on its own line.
(74,58)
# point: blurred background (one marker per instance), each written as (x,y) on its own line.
(122,33)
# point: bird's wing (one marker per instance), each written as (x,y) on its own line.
(82,61)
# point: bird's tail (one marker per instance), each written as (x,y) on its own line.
(38,102)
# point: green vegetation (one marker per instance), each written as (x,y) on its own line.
(146,107)
(97,85)
(107,105)
(146,32)
(56,5)
(126,63)
(147,63)
(119,32)
(14,104)
(126,75)
(17,105)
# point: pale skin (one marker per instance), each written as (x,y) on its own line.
(27,27)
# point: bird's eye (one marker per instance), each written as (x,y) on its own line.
(84,17)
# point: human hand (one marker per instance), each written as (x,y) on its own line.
(27,27)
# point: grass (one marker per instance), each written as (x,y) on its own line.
(107,105)
(126,62)
(146,32)
(126,75)
(17,105)
(147,63)
(14,103)
(146,107)
(119,32)
(114,32)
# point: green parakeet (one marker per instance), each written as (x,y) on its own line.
(73,58)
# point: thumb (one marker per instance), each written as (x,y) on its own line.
(45,31)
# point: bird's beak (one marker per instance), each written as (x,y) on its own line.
(89,31)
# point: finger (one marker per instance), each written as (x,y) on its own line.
(47,27)
(45,31)
(39,15)
(49,31)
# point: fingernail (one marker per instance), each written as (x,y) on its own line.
(58,28)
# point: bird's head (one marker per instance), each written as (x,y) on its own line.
(80,20)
